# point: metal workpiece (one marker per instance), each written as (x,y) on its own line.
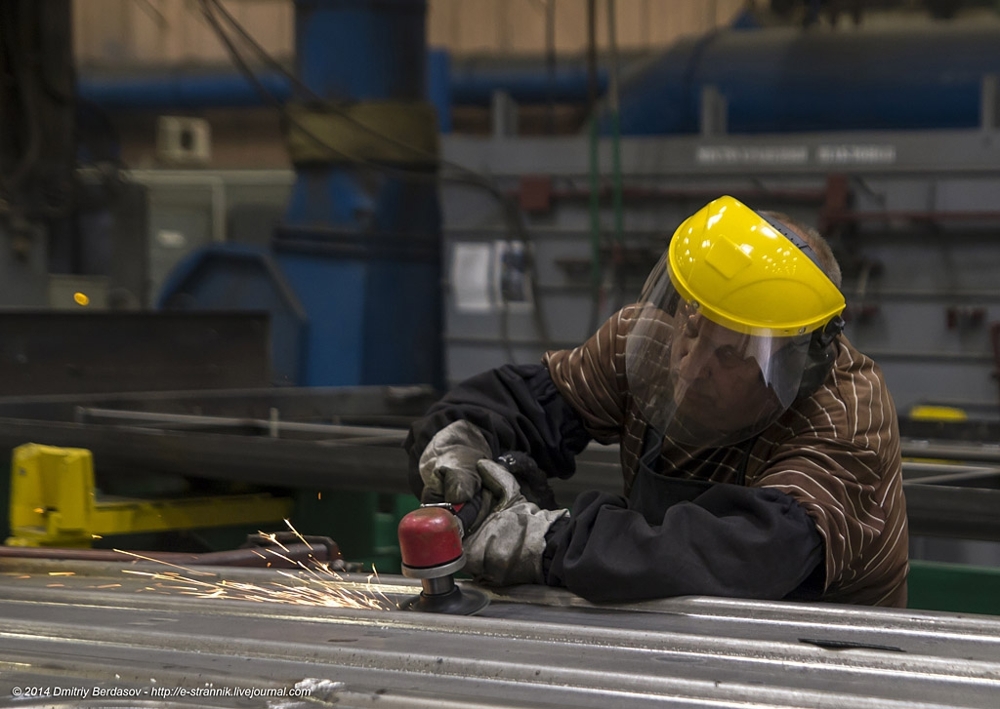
(95,626)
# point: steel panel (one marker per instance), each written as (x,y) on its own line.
(531,647)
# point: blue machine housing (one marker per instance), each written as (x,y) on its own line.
(359,250)
(780,80)
(362,247)
(240,277)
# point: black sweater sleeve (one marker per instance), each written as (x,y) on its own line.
(729,541)
(518,408)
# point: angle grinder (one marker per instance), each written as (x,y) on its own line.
(430,544)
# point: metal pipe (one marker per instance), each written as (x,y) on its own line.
(272,426)
(959,475)
(395,436)
(945,451)
(940,357)
(566,84)
(633,193)
(885,355)
(914,215)
(260,557)
(176,90)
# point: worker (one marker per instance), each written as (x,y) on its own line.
(759,449)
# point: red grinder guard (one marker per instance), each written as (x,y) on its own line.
(430,544)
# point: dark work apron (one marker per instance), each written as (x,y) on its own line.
(653,492)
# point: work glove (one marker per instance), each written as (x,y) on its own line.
(506,547)
(534,483)
(448,464)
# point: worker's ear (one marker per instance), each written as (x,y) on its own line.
(821,357)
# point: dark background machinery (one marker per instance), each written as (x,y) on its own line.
(355,261)
(69,216)
(384,206)
(271,366)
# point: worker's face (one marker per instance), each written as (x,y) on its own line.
(702,384)
(717,374)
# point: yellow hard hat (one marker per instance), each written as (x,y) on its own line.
(744,274)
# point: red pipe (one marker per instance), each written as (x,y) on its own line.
(273,556)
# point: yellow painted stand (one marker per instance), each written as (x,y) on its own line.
(53,503)
(946,414)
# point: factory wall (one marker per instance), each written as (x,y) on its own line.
(925,317)
(919,288)
(920,259)
(117,32)
(917,246)
(114,38)
(920,283)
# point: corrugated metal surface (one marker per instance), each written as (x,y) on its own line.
(533,647)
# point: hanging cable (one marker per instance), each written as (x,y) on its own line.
(595,170)
(263,54)
(618,244)
(509,210)
(473,177)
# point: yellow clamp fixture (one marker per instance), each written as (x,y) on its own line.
(53,502)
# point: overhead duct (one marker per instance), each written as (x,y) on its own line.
(787,79)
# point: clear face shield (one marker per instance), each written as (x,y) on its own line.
(702,384)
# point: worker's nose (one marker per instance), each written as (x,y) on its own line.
(697,358)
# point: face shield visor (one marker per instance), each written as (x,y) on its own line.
(701,383)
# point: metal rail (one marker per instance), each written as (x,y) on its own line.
(911,448)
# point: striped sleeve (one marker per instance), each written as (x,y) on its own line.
(836,483)
(838,454)
(592,377)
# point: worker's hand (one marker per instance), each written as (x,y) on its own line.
(532,480)
(506,547)
(448,464)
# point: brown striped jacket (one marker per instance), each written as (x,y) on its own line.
(836,452)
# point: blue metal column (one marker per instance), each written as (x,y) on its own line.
(361,244)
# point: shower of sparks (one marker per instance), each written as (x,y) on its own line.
(318,586)
(273,538)
(296,533)
(165,563)
(316,590)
